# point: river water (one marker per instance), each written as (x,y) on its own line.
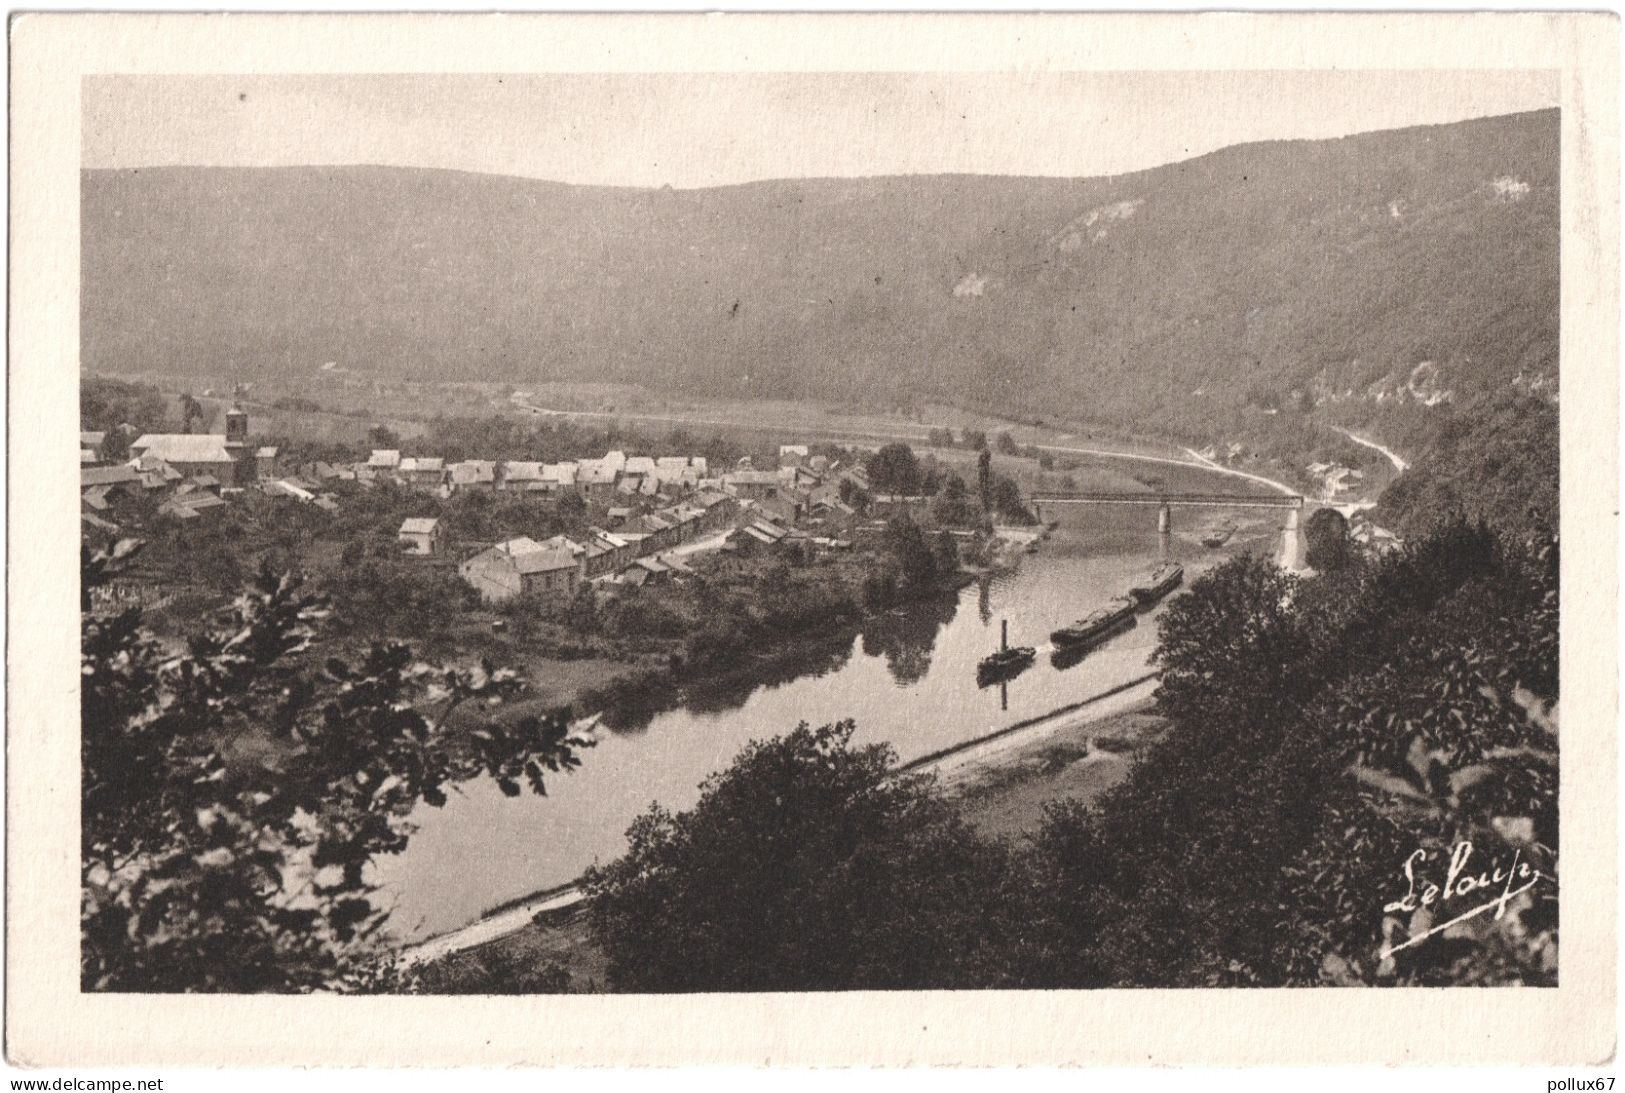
(908,678)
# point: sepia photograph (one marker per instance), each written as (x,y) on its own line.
(700,532)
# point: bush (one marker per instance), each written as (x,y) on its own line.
(808,864)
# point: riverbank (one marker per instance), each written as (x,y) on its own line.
(1002,782)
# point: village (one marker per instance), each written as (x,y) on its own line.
(619,520)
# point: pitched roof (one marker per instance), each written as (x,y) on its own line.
(521,472)
(544,561)
(284,487)
(422,463)
(183,447)
(91,440)
(419,525)
(107,476)
(267,452)
(384,457)
(200,500)
(472,472)
(639,464)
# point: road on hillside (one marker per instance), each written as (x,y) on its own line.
(1400,465)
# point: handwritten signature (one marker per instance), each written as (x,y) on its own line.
(1461,879)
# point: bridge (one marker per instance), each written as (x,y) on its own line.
(1166,502)
(1172,500)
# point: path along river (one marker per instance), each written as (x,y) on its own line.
(907,678)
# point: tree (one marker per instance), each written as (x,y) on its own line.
(973,438)
(234,793)
(382,436)
(894,469)
(1007,502)
(191,410)
(984,478)
(1006,444)
(1326,537)
(952,506)
(942,438)
(912,552)
(853,494)
(809,864)
(1229,641)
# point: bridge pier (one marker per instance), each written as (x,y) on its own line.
(1291,542)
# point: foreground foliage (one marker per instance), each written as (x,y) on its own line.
(808,865)
(236,789)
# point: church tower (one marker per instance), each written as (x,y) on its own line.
(238,446)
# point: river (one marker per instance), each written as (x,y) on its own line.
(907,678)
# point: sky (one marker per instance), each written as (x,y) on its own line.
(691,130)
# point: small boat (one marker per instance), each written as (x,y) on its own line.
(1005,663)
(1158,583)
(1096,626)
(1218,536)
(1008,662)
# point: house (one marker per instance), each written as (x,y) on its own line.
(190,506)
(424,472)
(473,474)
(384,459)
(639,465)
(155,474)
(120,479)
(559,477)
(322,471)
(792,455)
(419,536)
(520,475)
(288,487)
(621,551)
(92,442)
(596,479)
(522,567)
(781,507)
(265,460)
(718,507)
(188,453)
(646,570)
(753,485)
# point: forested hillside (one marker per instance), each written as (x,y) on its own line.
(1337,269)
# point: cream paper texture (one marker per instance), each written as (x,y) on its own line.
(49,1022)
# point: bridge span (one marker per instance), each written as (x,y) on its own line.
(1291,552)
(1170,500)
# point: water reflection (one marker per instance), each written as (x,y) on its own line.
(907,637)
(635,707)
(813,661)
